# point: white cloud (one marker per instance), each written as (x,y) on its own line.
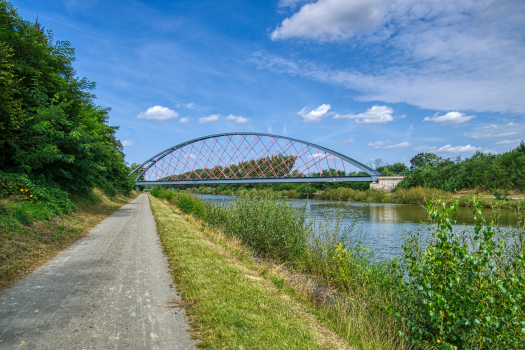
(315,115)
(495,131)
(186,105)
(374,115)
(508,142)
(450,118)
(285,131)
(318,155)
(329,20)
(211,118)
(184,120)
(442,54)
(190,156)
(425,148)
(127,143)
(399,145)
(378,144)
(458,149)
(348,141)
(237,119)
(158,113)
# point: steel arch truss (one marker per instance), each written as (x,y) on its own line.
(249,158)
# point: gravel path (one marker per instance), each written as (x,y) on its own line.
(109,290)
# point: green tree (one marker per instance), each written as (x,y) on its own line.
(425,159)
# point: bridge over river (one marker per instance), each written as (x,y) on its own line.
(244,157)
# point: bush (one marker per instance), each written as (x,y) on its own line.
(459,295)
(21,188)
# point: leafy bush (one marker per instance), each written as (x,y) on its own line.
(185,203)
(459,295)
(20,187)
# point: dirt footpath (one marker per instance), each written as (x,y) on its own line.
(109,290)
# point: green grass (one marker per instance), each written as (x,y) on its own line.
(233,305)
(32,233)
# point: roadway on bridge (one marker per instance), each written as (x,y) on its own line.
(110,289)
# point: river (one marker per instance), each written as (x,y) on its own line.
(383,224)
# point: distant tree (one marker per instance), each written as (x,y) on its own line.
(425,159)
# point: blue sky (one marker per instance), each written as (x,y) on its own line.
(368,78)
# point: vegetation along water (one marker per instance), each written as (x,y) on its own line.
(455,287)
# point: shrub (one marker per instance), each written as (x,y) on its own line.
(459,295)
(185,203)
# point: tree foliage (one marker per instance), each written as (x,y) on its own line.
(486,171)
(51,128)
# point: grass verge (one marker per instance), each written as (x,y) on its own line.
(30,234)
(231,300)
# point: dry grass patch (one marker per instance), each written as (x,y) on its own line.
(24,247)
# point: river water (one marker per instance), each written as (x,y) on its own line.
(383,224)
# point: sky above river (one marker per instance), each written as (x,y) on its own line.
(368,78)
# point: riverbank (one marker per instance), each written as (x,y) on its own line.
(234,300)
(414,195)
(412,301)
(32,233)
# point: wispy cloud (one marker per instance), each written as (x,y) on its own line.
(399,145)
(378,144)
(237,119)
(374,115)
(313,116)
(184,120)
(158,113)
(495,131)
(211,118)
(348,141)
(458,149)
(186,105)
(450,118)
(127,143)
(508,142)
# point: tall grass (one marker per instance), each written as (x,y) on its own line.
(382,304)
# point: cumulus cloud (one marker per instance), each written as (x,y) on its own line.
(348,141)
(184,120)
(458,149)
(237,119)
(329,20)
(508,142)
(374,115)
(399,145)
(158,113)
(127,143)
(378,144)
(450,118)
(211,118)
(495,131)
(315,115)
(444,55)
(186,105)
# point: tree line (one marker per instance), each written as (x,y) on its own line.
(51,130)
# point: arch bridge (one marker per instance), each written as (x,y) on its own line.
(244,157)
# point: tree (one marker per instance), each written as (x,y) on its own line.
(51,128)
(425,159)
